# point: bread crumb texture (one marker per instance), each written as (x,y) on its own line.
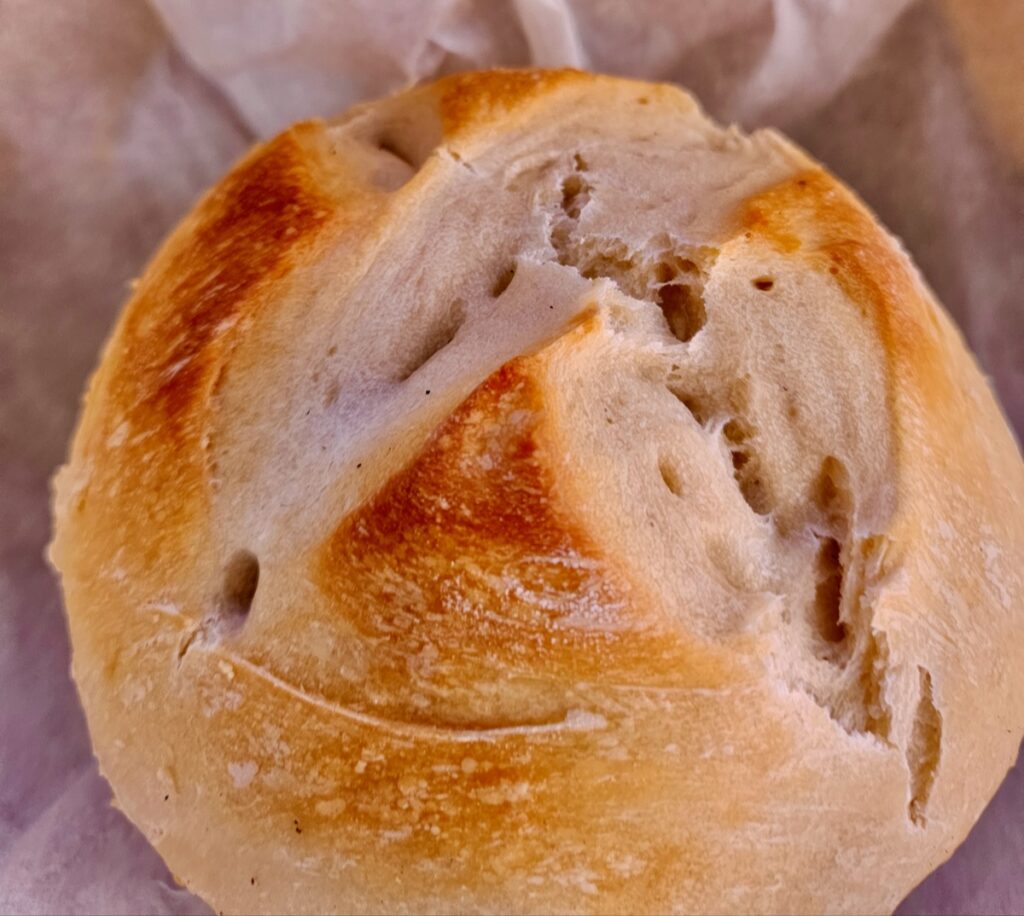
(522,495)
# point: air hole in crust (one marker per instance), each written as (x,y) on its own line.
(575,195)
(828,595)
(389,146)
(671,477)
(412,138)
(441,333)
(241,576)
(833,495)
(695,404)
(683,309)
(404,139)
(504,280)
(745,466)
(396,167)
(765,284)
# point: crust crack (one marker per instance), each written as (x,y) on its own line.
(672,278)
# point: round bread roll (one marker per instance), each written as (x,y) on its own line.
(523,495)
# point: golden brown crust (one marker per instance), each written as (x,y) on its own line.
(475,509)
(812,209)
(467,99)
(243,238)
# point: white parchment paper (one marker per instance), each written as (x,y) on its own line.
(115,115)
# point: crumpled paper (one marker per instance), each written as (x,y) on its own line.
(114,116)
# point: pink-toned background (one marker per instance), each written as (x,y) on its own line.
(114,115)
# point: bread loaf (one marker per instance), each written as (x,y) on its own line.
(523,495)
